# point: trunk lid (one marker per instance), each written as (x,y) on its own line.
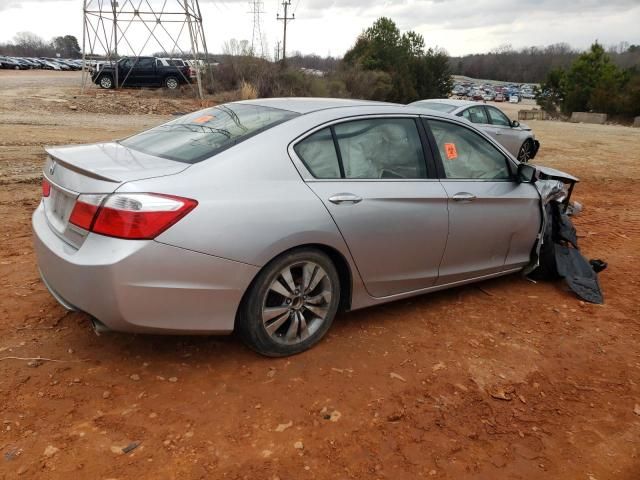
(94,169)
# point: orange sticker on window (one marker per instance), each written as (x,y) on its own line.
(451,151)
(203,119)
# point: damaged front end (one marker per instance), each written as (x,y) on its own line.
(553,186)
(556,253)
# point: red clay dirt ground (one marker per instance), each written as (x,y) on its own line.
(407,390)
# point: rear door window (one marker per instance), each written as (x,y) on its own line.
(385,148)
(145,63)
(476,115)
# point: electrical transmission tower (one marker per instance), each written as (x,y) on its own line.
(115,29)
(257,40)
(286,4)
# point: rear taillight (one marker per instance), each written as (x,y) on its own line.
(134,216)
(46,188)
(85,209)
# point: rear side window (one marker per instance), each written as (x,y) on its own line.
(200,135)
(318,153)
(145,63)
(386,148)
(476,115)
(467,155)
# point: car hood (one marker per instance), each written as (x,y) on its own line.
(524,126)
(553,174)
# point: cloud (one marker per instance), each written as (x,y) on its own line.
(324,26)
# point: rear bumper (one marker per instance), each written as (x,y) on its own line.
(141,286)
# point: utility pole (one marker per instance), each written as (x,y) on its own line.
(114,5)
(278,43)
(285,19)
(257,38)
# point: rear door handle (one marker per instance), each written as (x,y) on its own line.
(464,197)
(498,131)
(340,198)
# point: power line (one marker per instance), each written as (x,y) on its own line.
(257,38)
(286,4)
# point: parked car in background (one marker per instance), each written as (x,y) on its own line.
(499,97)
(488,96)
(459,91)
(513,98)
(517,138)
(253,216)
(12,64)
(142,72)
(177,62)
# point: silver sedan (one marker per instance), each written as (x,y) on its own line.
(267,217)
(512,135)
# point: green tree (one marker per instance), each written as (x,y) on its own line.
(415,73)
(591,82)
(66,46)
(550,94)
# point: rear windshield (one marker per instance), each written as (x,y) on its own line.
(200,135)
(440,107)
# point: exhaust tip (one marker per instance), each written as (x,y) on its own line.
(99,327)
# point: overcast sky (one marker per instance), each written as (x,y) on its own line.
(331,26)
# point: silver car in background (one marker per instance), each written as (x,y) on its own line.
(513,135)
(269,216)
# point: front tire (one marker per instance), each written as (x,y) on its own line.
(106,82)
(526,151)
(291,304)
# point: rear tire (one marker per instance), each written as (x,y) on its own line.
(291,304)
(106,82)
(171,83)
(526,151)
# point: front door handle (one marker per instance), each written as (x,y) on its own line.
(464,197)
(340,198)
(498,131)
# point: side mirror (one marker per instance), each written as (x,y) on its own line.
(515,124)
(527,173)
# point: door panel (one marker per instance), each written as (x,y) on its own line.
(493,220)
(501,130)
(393,219)
(145,71)
(396,233)
(493,232)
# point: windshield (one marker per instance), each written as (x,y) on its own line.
(440,107)
(200,135)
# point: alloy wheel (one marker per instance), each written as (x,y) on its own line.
(297,303)
(525,152)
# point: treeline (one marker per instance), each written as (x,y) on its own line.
(533,64)
(384,64)
(27,44)
(592,83)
